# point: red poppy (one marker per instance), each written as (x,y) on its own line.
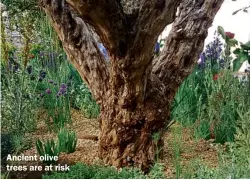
(230,35)
(216,76)
(31,56)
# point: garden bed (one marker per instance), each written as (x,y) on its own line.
(177,139)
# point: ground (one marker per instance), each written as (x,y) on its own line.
(177,139)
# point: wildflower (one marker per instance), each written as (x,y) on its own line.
(230,35)
(62,91)
(157,48)
(58,94)
(41,54)
(31,56)
(48,91)
(216,76)
(29,69)
(202,61)
(42,74)
(212,54)
(63,86)
(41,95)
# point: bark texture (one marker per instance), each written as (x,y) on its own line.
(136,89)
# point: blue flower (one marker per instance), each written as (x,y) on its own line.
(157,48)
(211,55)
(29,69)
(42,75)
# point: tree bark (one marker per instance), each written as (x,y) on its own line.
(131,131)
(136,90)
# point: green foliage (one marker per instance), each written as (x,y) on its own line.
(157,171)
(208,99)
(19,101)
(49,148)
(243,132)
(220,112)
(233,164)
(21,143)
(67,141)
(210,103)
(242,54)
(189,99)
(82,171)
(81,97)
(6,146)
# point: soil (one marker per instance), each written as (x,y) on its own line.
(180,147)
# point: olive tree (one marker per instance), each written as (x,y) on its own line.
(135,88)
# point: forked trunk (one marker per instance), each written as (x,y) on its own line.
(131,132)
(136,89)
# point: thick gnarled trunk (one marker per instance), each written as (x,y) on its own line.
(135,89)
(131,132)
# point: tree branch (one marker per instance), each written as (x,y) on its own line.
(185,42)
(153,17)
(108,20)
(80,45)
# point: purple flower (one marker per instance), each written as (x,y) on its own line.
(58,94)
(157,48)
(63,86)
(211,56)
(41,54)
(48,91)
(62,91)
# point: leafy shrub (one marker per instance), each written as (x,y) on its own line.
(208,99)
(19,101)
(219,117)
(189,99)
(82,171)
(81,97)
(48,148)
(233,164)
(235,161)
(6,146)
(67,141)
